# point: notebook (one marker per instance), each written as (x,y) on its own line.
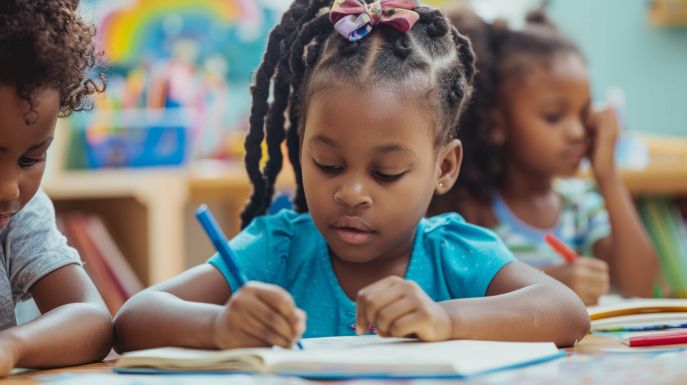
(640,322)
(349,357)
(637,306)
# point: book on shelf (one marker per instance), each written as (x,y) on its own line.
(103,260)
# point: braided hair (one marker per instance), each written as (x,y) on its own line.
(306,55)
(502,53)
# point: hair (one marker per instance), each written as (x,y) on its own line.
(45,43)
(306,55)
(502,54)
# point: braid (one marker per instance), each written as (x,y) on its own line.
(260,94)
(304,54)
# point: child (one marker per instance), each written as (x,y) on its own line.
(373,108)
(530,121)
(45,49)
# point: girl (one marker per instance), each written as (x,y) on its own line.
(45,49)
(530,121)
(374,93)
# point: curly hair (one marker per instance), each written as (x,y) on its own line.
(45,43)
(501,53)
(306,55)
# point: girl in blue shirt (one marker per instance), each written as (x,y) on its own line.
(374,94)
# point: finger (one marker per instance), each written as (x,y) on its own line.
(595,263)
(380,300)
(387,315)
(298,322)
(249,339)
(257,328)
(272,318)
(277,298)
(361,304)
(409,323)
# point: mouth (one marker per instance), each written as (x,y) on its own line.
(4,218)
(352,230)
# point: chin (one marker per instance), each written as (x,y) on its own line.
(353,254)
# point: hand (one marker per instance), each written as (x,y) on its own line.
(7,359)
(400,308)
(602,127)
(587,277)
(259,315)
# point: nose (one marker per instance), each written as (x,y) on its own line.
(576,130)
(353,195)
(9,186)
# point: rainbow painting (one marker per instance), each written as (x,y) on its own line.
(124,29)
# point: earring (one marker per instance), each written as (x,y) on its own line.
(441,184)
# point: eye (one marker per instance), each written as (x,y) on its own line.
(28,162)
(386,177)
(328,169)
(552,118)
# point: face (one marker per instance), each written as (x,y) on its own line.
(370,169)
(542,117)
(23,147)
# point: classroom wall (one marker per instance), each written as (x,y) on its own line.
(648,63)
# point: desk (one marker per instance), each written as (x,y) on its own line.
(575,368)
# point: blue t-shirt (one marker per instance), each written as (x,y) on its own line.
(451,259)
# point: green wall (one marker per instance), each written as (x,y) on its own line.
(623,50)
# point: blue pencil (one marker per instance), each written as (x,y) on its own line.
(222,245)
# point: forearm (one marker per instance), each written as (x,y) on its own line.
(540,312)
(633,261)
(72,334)
(154,319)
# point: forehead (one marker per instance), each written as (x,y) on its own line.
(367,117)
(14,111)
(562,76)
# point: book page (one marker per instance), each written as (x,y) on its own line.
(349,342)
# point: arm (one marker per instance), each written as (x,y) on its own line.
(196,309)
(75,326)
(522,304)
(628,250)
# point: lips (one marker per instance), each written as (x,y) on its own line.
(4,218)
(352,230)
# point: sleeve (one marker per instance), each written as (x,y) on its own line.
(471,257)
(598,223)
(35,245)
(262,249)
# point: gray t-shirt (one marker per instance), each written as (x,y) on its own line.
(30,248)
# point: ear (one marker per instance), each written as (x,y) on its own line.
(448,166)
(498,129)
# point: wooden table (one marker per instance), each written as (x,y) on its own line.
(592,345)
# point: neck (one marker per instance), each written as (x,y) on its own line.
(521,183)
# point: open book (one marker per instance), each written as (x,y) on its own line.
(348,357)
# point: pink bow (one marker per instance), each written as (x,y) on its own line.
(354,20)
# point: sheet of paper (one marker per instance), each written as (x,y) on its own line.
(131,379)
(349,342)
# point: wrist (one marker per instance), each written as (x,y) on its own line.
(11,345)
(211,331)
(460,324)
(608,180)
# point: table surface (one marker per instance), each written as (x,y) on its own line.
(576,367)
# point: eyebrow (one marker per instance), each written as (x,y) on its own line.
(323,139)
(384,149)
(39,145)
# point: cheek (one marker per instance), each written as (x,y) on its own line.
(30,182)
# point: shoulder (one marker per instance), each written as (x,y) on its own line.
(37,216)
(452,227)
(279,230)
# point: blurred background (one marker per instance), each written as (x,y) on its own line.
(168,136)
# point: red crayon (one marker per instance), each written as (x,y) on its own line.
(567,253)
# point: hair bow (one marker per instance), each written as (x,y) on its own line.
(355,20)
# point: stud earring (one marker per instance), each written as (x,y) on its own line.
(441,184)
